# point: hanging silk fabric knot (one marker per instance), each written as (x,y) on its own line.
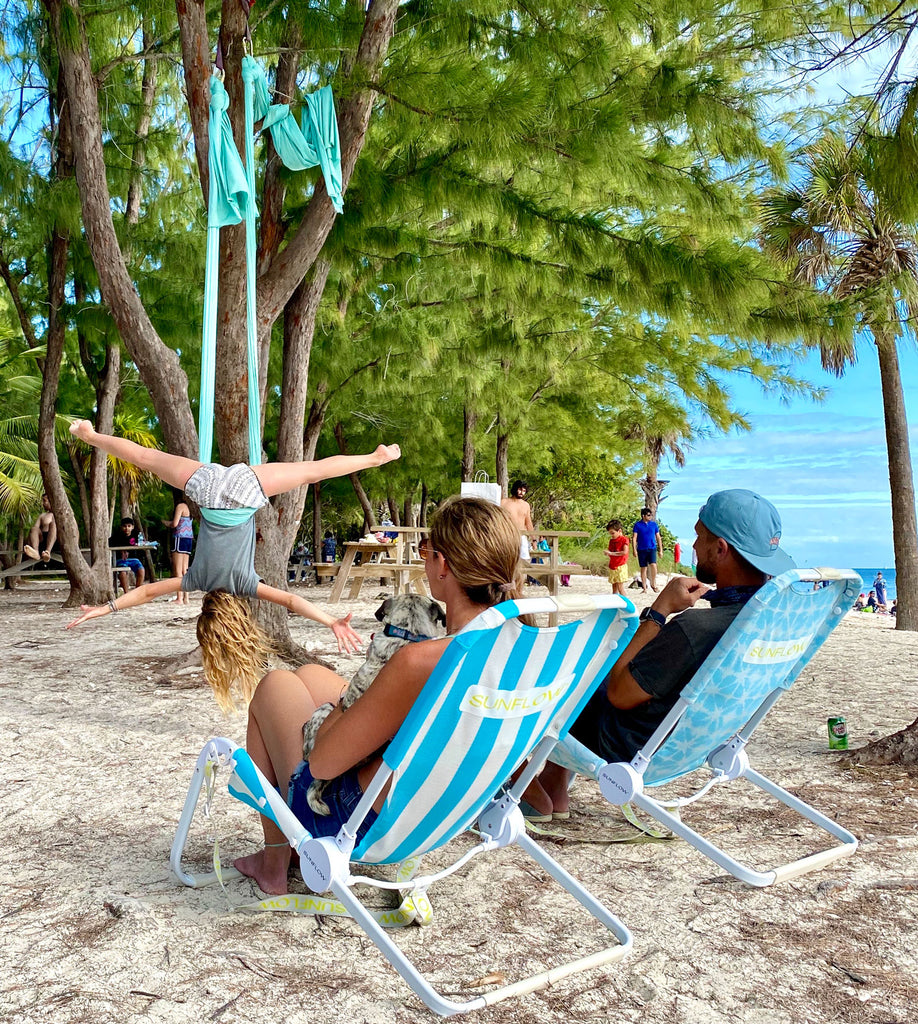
(232,199)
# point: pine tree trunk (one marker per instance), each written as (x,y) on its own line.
(92,584)
(901,485)
(317,522)
(369,517)
(394,514)
(469,419)
(503,451)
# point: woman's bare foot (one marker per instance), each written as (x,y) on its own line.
(267,868)
(82,429)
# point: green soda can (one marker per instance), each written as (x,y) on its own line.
(838,733)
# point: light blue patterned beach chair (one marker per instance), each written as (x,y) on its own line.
(502,693)
(756,660)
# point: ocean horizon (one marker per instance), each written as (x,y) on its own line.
(869,575)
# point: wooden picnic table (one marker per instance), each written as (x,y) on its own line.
(143,554)
(36,567)
(553,569)
(379,559)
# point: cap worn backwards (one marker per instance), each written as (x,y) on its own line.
(750,524)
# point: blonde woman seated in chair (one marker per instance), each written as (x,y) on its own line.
(472,562)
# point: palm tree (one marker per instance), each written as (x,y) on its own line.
(839,231)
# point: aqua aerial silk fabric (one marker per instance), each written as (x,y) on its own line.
(232,199)
(313,141)
(228,200)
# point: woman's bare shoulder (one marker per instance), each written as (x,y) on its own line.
(420,657)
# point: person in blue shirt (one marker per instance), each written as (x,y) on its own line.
(329,547)
(879,585)
(645,538)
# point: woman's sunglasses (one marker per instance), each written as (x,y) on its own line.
(425,550)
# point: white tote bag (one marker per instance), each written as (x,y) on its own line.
(481,488)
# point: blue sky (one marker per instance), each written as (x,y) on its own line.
(822,464)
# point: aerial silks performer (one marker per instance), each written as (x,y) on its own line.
(233,647)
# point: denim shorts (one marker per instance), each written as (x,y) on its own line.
(134,564)
(342,795)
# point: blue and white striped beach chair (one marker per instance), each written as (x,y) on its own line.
(756,660)
(502,693)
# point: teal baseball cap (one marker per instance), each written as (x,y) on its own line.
(750,524)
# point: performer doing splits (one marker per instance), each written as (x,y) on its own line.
(233,647)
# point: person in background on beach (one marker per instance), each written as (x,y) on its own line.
(233,648)
(894,607)
(471,561)
(860,603)
(645,536)
(618,550)
(520,512)
(123,539)
(329,547)
(872,603)
(43,535)
(736,538)
(182,541)
(879,585)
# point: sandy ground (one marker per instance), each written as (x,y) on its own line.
(97,750)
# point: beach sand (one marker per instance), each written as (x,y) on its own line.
(98,749)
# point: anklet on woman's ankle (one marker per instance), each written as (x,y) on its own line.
(275,844)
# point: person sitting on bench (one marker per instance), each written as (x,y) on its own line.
(43,535)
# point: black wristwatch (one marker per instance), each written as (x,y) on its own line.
(649,615)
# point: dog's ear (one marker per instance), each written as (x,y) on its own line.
(383,610)
(436,612)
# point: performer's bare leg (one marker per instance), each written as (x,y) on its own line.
(171,469)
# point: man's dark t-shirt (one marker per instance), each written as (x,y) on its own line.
(662,669)
(120,539)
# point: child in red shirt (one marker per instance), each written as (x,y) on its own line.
(618,550)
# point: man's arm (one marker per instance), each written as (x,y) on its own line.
(528,525)
(659,541)
(622,688)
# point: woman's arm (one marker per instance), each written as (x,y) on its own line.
(181,509)
(348,641)
(137,596)
(346,738)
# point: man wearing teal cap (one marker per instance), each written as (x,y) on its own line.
(737,540)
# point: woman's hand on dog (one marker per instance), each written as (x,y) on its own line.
(348,641)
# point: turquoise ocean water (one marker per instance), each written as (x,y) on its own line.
(868,576)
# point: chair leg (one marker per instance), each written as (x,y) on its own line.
(447,1007)
(745,873)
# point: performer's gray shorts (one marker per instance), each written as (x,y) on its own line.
(215,486)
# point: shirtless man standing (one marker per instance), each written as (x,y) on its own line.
(520,513)
(43,535)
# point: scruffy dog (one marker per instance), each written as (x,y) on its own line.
(407,619)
